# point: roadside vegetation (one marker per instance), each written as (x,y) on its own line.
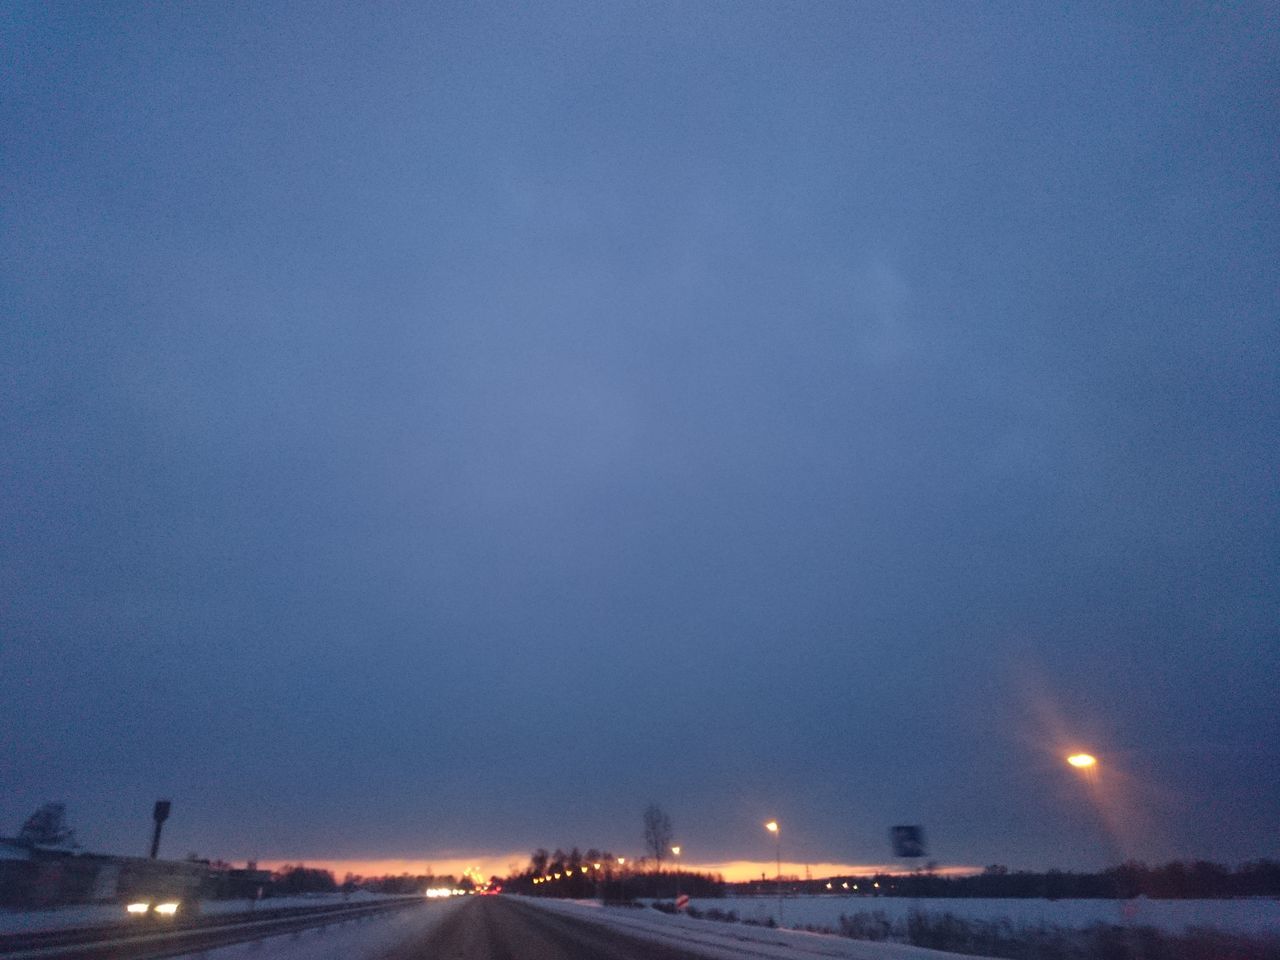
(1039,941)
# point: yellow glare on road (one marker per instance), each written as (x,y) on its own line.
(1082,760)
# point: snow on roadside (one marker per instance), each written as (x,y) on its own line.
(1250,917)
(362,939)
(734,941)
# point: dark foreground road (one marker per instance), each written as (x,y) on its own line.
(498,928)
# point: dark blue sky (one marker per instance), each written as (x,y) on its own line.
(431,428)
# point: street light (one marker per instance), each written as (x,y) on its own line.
(1082,761)
(675,864)
(772,827)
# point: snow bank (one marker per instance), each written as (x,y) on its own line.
(362,939)
(1247,917)
(734,941)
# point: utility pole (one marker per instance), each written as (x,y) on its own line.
(160,814)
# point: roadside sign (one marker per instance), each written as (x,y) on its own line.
(908,840)
(682,902)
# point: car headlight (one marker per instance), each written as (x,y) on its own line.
(168,909)
(138,907)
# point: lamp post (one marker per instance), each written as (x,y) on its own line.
(675,863)
(772,827)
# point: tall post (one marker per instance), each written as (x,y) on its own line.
(778,836)
(675,865)
(160,813)
(772,827)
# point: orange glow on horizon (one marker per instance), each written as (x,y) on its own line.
(487,865)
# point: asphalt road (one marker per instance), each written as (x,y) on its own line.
(498,928)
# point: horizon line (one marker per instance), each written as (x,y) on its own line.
(487,865)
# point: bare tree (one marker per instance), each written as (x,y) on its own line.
(657,832)
(539,861)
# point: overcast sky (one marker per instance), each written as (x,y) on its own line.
(448,427)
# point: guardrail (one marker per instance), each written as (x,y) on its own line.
(151,940)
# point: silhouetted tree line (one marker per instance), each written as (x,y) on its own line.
(574,875)
(291,880)
(403,883)
(1172,881)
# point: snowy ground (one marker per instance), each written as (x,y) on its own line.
(102,914)
(368,940)
(735,941)
(1249,917)
(364,939)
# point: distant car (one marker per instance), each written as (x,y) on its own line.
(161,908)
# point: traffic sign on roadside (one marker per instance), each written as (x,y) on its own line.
(908,840)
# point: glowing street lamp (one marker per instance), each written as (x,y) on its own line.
(675,865)
(1082,761)
(772,827)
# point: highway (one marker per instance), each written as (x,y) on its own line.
(502,928)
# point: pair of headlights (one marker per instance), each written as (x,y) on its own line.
(165,909)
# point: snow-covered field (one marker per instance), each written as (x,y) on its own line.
(1249,917)
(102,914)
(734,941)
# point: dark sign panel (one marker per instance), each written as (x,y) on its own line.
(908,840)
